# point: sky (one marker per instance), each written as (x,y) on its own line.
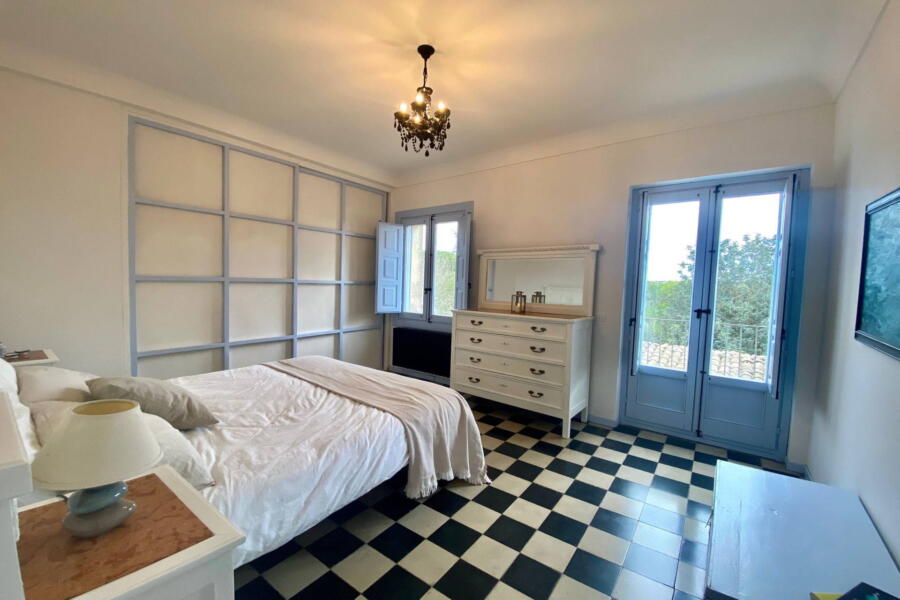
(673,227)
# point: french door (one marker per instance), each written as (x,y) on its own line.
(704,344)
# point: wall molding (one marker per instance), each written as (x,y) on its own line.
(154,102)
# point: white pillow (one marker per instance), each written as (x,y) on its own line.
(177,451)
(40,384)
(23,422)
(8,378)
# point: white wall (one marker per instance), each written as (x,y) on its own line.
(63,213)
(63,217)
(855,436)
(583,197)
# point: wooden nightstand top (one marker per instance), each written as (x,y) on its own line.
(33,358)
(173,526)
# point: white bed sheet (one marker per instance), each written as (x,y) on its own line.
(286,453)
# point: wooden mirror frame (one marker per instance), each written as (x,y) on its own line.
(586,252)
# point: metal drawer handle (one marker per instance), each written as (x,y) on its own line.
(474,379)
(475,340)
(535,394)
(538,350)
(538,329)
(474,360)
(536,371)
(476,323)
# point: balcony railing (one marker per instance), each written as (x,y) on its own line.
(739,350)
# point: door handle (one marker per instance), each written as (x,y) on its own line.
(535,394)
(538,329)
(475,360)
(536,371)
(475,340)
(702,311)
(474,379)
(476,323)
(537,349)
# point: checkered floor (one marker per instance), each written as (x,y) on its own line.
(609,513)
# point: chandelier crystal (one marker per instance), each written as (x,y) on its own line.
(419,126)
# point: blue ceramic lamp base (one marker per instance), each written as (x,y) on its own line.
(94,511)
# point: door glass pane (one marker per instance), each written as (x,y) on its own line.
(444,268)
(414,269)
(667,286)
(745,277)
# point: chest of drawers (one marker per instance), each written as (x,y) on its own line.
(537,362)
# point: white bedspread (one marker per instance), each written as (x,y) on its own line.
(286,454)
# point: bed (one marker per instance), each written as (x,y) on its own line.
(289,450)
(286,453)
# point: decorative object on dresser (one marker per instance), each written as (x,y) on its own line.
(30,358)
(538,360)
(517,303)
(100,444)
(177,546)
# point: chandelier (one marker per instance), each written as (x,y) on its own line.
(419,127)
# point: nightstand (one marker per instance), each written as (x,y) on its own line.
(33,358)
(176,546)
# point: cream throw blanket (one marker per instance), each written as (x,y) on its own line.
(442,437)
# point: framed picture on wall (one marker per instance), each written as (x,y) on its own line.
(878,306)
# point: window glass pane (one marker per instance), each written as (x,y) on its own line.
(745,276)
(444,268)
(667,286)
(414,275)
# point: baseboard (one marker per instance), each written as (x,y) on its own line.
(798,468)
(612,423)
(439,379)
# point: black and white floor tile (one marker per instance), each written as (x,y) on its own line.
(619,513)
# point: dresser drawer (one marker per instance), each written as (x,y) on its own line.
(519,367)
(538,329)
(476,340)
(536,393)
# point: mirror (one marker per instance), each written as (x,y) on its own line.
(561,280)
(563,274)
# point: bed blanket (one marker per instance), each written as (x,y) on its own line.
(442,437)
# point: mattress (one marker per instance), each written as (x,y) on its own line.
(286,453)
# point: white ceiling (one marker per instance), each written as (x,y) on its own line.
(512,71)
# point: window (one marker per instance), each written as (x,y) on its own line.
(423,263)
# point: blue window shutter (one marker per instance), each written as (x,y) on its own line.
(462,260)
(389,269)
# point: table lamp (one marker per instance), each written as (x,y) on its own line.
(95,447)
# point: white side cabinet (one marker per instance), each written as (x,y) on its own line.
(200,571)
(537,362)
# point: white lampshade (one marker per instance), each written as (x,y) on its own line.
(97,443)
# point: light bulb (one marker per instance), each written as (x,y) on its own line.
(441,105)
(420,98)
(417,118)
(403,107)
